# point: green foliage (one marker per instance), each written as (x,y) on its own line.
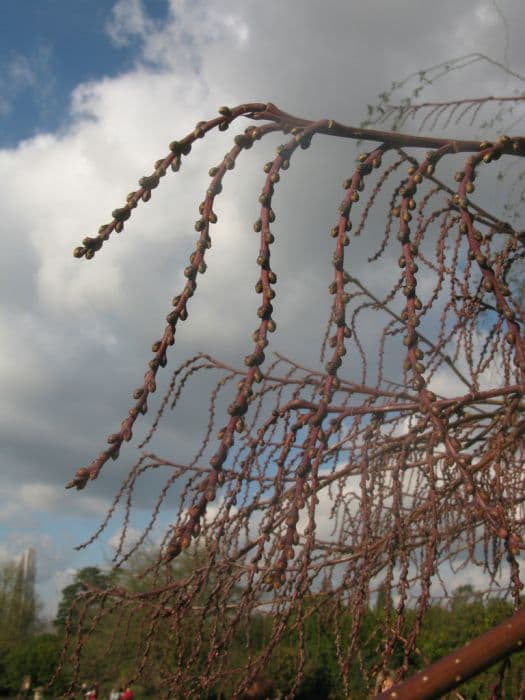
(113,650)
(36,657)
(24,649)
(88,576)
(18,605)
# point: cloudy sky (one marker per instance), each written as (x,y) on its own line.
(91,93)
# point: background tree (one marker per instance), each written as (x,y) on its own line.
(26,649)
(18,605)
(406,438)
(89,576)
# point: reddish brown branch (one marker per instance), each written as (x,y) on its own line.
(378,448)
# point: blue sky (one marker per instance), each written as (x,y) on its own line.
(46,49)
(91,94)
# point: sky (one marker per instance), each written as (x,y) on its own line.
(91,94)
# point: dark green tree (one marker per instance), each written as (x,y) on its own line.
(36,657)
(89,576)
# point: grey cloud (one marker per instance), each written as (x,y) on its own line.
(89,325)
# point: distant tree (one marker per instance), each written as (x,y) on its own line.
(25,650)
(416,446)
(18,603)
(88,577)
(36,658)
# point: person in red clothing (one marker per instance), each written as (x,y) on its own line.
(127,694)
(93,693)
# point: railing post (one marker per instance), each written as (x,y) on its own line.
(464,663)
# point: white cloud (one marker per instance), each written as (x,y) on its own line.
(20,72)
(128,21)
(64,577)
(32,499)
(181,42)
(238,27)
(131,537)
(75,335)
(27,74)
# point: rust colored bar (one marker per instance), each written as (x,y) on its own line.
(464,663)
